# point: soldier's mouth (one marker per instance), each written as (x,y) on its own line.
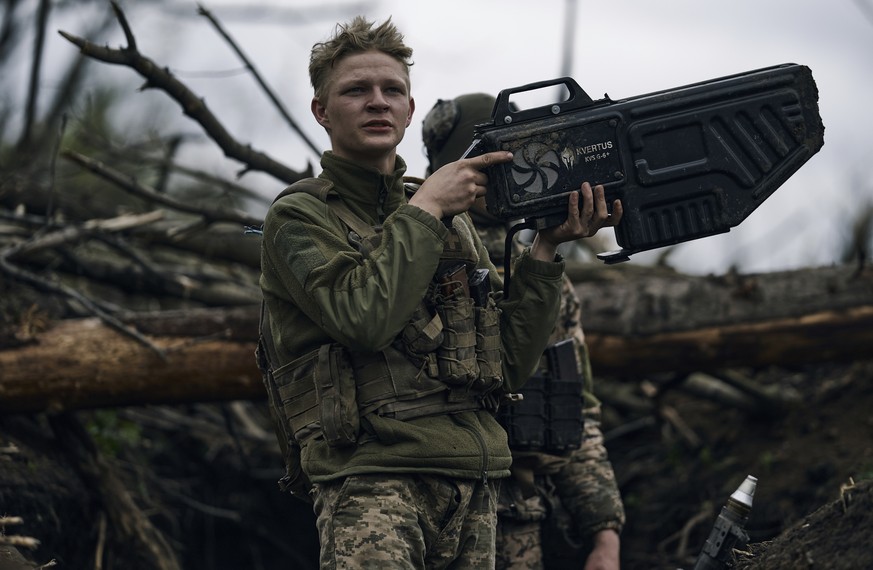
(378,125)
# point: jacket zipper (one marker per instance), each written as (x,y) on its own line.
(486,491)
(481,441)
(383,197)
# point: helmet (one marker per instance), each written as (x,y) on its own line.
(447,129)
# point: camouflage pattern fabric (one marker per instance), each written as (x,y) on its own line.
(405,522)
(581,485)
(586,485)
(519,545)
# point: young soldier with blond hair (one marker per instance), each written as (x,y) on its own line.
(384,372)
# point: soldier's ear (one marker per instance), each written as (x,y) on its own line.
(319,111)
(411,111)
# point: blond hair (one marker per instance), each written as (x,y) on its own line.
(357,36)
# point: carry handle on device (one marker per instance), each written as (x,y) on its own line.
(502,113)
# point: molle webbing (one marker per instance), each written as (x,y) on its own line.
(456,358)
(296,387)
(386,383)
(295,480)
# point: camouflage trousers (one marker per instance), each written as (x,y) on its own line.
(406,522)
(519,545)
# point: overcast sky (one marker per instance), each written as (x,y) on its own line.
(622,47)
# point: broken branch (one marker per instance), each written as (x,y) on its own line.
(192,105)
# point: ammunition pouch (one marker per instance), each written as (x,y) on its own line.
(295,480)
(456,356)
(423,333)
(454,334)
(488,347)
(548,418)
(459,345)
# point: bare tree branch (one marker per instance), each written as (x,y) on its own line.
(164,165)
(124,516)
(226,185)
(66,91)
(144,153)
(130,184)
(284,112)
(65,235)
(90,305)
(192,106)
(16,540)
(53,170)
(180,281)
(122,21)
(7,29)
(36,67)
(73,233)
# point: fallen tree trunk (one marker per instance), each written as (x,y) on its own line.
(842,335)
(818,315)
(82,363)
(637,324)
(629,301)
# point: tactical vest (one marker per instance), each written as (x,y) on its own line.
(447,359)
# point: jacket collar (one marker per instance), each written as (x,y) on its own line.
(364,189)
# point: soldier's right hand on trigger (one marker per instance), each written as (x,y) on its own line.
(455,187)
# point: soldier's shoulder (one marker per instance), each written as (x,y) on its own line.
(316,187)
(306,198)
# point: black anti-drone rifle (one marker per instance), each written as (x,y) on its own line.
(686,163)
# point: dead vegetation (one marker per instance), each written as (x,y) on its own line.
(133,431)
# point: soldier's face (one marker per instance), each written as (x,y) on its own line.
(367,108)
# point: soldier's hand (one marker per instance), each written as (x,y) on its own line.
(455,187)
(605,552)
(586,214)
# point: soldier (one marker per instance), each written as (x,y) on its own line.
(382,374)
(557,510)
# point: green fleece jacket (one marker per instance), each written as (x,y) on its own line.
(318,289)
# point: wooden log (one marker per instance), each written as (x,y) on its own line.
(665,321)
(842,335)
(82,363)
(623,300)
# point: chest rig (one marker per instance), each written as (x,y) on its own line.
(446,359)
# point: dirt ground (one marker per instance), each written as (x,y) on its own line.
(205,476)
(803,459)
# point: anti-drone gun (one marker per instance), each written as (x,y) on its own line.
(686,163)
